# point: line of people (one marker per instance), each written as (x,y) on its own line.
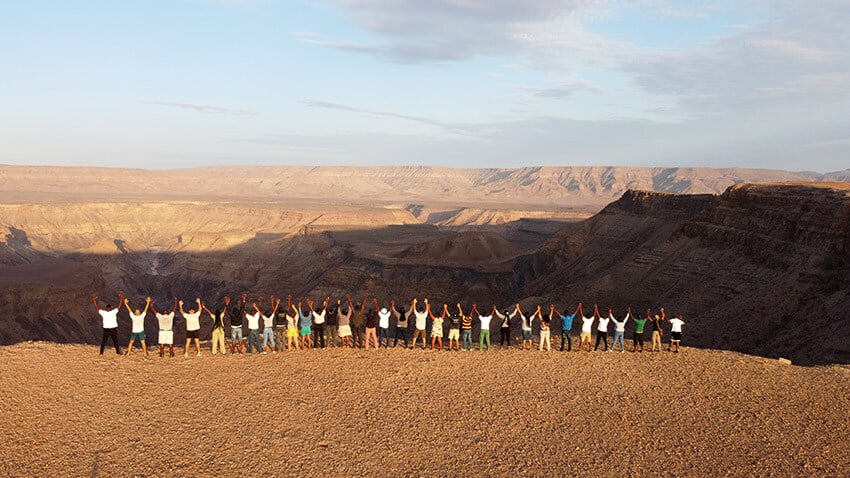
(305,325)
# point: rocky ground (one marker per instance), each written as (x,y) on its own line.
(65,410)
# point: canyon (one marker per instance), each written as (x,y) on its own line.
(761,268)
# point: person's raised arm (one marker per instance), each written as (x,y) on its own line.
(147,305)
(256,309)
(552,311)
(596,311)
(276,305)
(394,311)
(498,314)
(538,312)
(494,310)
(94,301)
(326,302)
(174,307)
(445,310)
(460,309)
(663,315)
(198,301)
(181,307)
(427,306)
(127,306)
(365,298)
(375,304)
(208,311)
(474,310)
(153,308)
(628,313)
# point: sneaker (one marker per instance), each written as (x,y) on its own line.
(185,354)
(274,351)
(198,354)
(622,351)
(263,352)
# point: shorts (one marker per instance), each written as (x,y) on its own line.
(526,335)
(192,334)
(236,334)
(166,337)
(345,331)
(675,336)
(585,336)
(454,334)
(305,331)
(140,336)
(291,333)
(638,338)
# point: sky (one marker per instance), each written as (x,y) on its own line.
(462,83)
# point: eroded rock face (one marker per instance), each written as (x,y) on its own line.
(761,268)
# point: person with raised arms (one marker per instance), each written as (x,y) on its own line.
(218,327)
(344,318)
(420,323)
(401,318)
(193,327)
(305,326)
(484,334)
(384,327)
(372,325)
(504,328)
(566,328)
(332,325)
(358,319)
(237,312)
(602,328)
(545,332)
(253,319)
(137,318)
(465,329)
(656,330)
(527,323)
(620,330)
(454,329)
(268,326)
(291,325)
(675,332)
(586,330)
(280,326)
(637,338)
(319,319)
(437,327)
(165,320)
(109,318)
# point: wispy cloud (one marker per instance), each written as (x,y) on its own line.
(206,109)
(563,91)
(390,115)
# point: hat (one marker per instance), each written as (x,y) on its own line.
(384,310)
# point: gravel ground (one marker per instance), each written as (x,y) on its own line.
(66,411)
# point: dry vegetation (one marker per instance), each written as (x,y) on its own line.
(65,410)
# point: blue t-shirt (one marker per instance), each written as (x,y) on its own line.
(305,320)
(567,321)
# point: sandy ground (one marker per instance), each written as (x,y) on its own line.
(66,411)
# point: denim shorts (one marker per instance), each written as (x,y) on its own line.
(526,335)
(137,336)
(236,334)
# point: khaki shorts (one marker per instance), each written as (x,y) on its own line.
(345,331)
(454,334)
(585,336)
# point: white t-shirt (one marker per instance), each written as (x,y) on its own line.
(138,322)
(586,324)
(166,321)
(603,324)
(384,318)
(421,318)
(620,326)
(526,322)
(268,321)
(193,321)
(291,322)
(110,318)
(253,321)
(485,321)
(319,317)
(677,324)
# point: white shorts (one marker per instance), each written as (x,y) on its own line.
(166,337)
(345,331)
(454,334)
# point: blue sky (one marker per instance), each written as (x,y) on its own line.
(472,83)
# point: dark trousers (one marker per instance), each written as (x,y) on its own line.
(113,334)
(383,334)
(400,332)
(357,335)
(566,339)
(319,335)
(601,336)
(505,337)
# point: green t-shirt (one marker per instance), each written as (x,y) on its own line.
(639,323)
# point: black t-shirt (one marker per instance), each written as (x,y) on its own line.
(236,315)
(656,324)
(280,319)
(371,319)
(331,318)
(454,321)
